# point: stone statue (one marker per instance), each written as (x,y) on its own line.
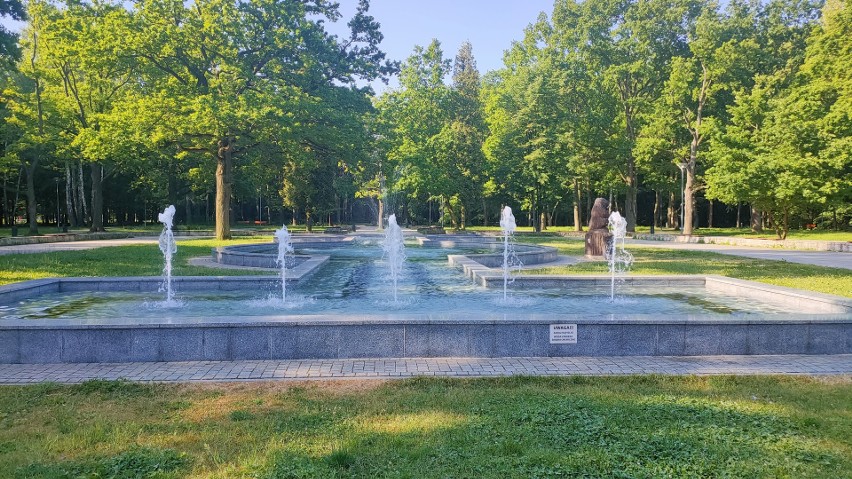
(598,235)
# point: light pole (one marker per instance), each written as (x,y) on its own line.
(682,166)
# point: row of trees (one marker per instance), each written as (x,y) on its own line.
(178,97)
(752,102)
(165,101)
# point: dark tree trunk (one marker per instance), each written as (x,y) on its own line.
(97,171)
(31,200)
(69,197)
(710,215)
(452,212)
(673,217)
(739,207)
(536,212)
(689,192)
(82,209)
(630,200)
(14,211)
(224,167)
(6,215)
(578,220)
(756,220)
(656,213)
(188,209)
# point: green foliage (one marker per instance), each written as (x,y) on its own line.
(136,463)
(786,149)
(432,134)
(639,426)
(169,103)
(9,51)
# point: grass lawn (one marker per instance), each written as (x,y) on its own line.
(645,426)
(664,261)
(131,260)
(146,260)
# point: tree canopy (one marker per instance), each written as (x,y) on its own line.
(253,107)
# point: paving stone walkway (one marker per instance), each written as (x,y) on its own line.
(199,371)
(829,259)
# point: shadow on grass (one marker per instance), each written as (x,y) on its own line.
(139,462)
(547,430)
(646,426)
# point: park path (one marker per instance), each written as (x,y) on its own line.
(819,258)
(82,245)
(396,368)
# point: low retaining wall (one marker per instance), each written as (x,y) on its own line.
(433,335)
(837,246)
(258,255)
(454,241)
(337,338)
(526,254)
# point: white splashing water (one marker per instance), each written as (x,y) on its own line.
(394,252)
(285,257)
(619,258)
(169,248)
(508,226)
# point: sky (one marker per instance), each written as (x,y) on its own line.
(489,25)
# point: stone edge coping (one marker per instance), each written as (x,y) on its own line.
(841,314)
(714,281)
(450,240)
(250,250)
(423,320)
(488,277)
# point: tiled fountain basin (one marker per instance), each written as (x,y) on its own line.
(258,256)
(527,254)
(822,325)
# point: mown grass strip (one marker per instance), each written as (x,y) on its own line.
(645,426)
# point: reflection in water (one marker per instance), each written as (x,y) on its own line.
(354,282)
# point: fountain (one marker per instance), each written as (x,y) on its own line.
(619,258)
(285,253)
(394,251)
(445,314)
(169,248)
(507,226)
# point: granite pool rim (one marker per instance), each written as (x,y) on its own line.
(418,335)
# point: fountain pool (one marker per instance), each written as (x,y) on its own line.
(343,307)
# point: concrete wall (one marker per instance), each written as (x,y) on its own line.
(827,329)
(372,340)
